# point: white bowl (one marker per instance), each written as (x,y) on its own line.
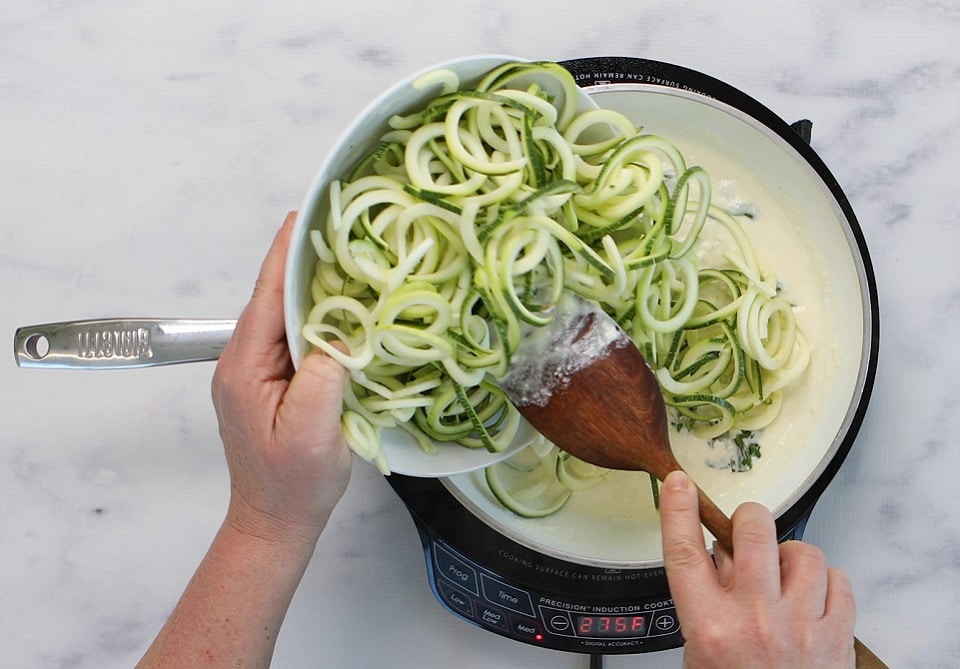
(359,138)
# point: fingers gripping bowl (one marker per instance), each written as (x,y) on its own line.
(799,215)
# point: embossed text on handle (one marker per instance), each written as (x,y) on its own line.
(129,343)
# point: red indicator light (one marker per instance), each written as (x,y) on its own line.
(538,637)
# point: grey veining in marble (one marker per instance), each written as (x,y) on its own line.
(148,151)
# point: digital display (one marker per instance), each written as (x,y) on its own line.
(612,626)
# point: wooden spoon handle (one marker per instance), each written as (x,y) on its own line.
(716,521)
(865,657)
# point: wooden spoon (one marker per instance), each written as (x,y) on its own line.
(582,383)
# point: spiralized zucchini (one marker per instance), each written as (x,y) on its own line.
(476,212)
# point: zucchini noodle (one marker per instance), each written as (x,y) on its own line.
(467,223)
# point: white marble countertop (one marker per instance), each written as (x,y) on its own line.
(148,152)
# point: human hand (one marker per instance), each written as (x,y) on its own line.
(288,462)
(767,606)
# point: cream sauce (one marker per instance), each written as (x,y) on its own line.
(793,230)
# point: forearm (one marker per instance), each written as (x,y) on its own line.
(232,609)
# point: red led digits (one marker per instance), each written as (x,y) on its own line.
(611,626)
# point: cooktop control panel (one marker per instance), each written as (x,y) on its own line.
(483,576)
(582,624)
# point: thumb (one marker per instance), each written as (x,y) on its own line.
(313,403)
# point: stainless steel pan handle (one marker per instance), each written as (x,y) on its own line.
(120,343)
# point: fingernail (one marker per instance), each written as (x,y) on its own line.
(677,481)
